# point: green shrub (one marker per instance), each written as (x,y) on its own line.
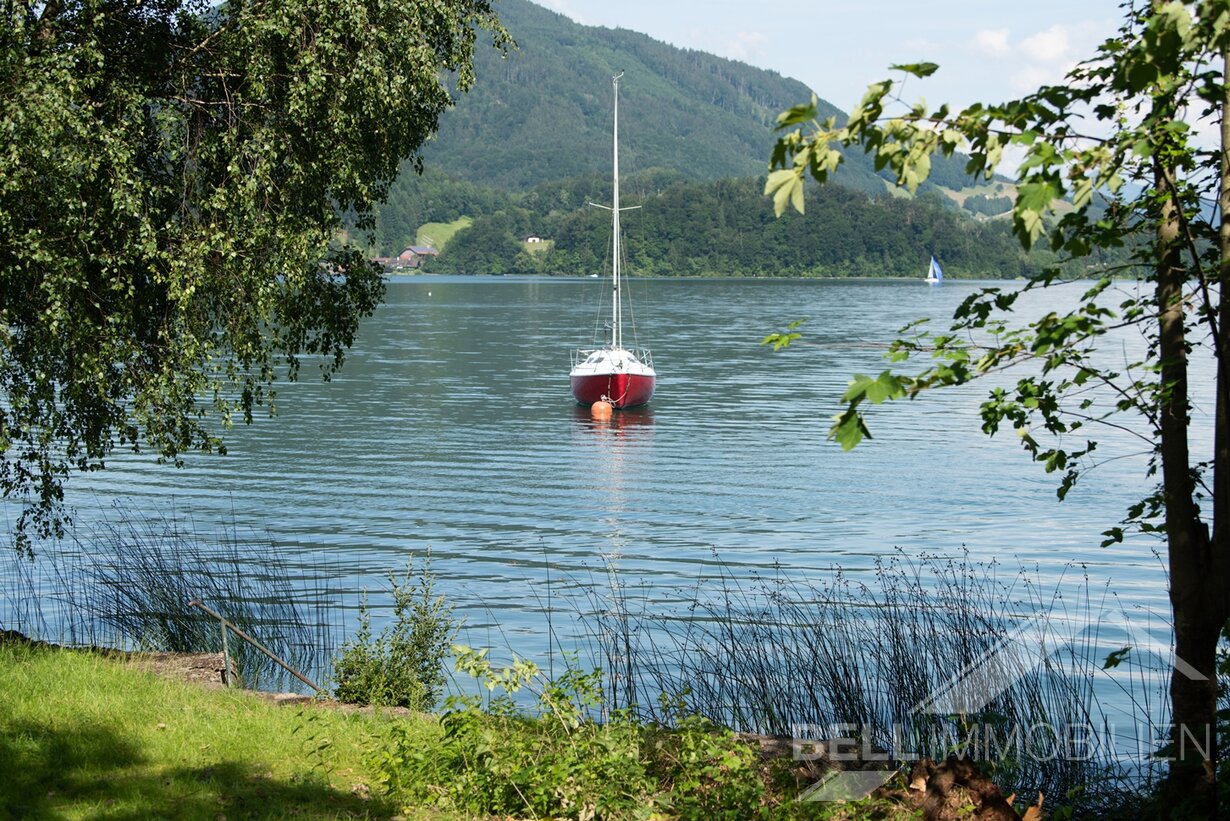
(708,771)
(494,760)
(403,666)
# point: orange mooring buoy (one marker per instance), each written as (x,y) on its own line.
(601,410)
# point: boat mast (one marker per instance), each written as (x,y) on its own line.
(616,334)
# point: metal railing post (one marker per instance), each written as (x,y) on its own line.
(228,625)
(226,656)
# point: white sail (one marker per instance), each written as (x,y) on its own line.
(934,272)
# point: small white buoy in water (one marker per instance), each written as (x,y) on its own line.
(601,410)
(429,293)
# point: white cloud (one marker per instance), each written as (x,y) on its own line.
(565,8)
(1042,58)
(1050,46)
(1030,78)
(992,43)
(747,46)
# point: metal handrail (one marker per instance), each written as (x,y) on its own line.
(226,663)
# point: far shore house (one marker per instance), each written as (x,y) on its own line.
(532,238)
(411,257)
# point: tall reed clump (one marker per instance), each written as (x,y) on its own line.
(127,584)
(877,662)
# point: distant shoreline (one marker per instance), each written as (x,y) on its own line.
(694,277)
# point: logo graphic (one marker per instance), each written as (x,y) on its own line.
(970,691)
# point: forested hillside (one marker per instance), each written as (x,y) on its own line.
(430,197)
(727,228)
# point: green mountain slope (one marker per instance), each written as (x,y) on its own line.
(530,145)
(544,112)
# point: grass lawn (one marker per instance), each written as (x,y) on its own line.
(437,234)
(88,737)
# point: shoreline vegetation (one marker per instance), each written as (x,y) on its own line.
(124,739)
(400,275)
(650,707)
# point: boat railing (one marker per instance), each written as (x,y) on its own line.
(579,355)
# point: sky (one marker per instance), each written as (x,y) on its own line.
(988,50)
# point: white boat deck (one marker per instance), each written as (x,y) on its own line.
(611,360)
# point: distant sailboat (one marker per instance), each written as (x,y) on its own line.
(934,274)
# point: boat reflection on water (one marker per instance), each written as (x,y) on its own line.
(620,421)
(617,452)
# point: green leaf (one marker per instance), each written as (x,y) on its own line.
(857,388)
(786,188)
(849,429)
(886,386)
(796,195)
(1038,193)
(917,69)
(1028,226)
(779,341)
(1116,658)
(783,340)
(796,115)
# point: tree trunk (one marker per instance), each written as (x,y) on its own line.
(1195,596)
(1219,570)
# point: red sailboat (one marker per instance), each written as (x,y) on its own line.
(623,377)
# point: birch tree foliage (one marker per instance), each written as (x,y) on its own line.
(1066,163)
(172,179)
(1129,152)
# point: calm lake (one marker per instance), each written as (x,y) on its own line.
(451,429)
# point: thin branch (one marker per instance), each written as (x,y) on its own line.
(1095,464)
(1101,420)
